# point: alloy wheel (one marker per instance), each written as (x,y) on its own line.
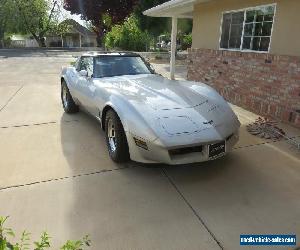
(65,96)
(111,134)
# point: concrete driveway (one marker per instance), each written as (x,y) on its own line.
(56,176)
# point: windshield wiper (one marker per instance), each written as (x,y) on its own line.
(124,75)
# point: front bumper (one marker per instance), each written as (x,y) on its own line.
(156,153)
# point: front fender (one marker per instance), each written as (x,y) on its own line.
(132,120)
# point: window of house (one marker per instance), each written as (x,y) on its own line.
(248,29)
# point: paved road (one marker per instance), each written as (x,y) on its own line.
(56,175)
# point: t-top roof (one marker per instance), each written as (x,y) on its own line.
(97,53)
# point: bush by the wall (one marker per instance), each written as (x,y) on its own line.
(187,41)
(128,36)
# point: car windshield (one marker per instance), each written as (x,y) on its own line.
(106,66)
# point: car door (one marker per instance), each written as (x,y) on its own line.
(85,85)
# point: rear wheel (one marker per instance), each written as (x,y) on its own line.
(67,100)
(116,138)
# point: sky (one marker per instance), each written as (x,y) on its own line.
(76,18)
(66,14)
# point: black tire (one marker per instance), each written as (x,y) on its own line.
(117,146)
(67,100)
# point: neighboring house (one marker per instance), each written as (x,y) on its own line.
(20,41)
(249,50)
(77,36)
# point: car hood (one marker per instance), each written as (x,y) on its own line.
(158,92)
(174,107)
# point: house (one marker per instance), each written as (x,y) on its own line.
(22,41)
(77,36)
(248,50)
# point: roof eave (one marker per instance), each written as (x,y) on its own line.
(173,8)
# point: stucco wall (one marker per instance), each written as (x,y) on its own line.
(286,29)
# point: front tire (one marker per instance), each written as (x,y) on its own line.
(67,100)
(116,138)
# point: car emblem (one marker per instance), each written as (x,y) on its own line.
(209,122)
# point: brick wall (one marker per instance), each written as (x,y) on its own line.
(266,84)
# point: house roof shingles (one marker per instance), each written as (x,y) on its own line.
(78,28)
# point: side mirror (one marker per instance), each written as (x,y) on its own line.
(83,73)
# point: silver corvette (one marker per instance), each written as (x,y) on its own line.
(146,117)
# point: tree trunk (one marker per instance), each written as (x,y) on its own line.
(99,31)
(99,39)
(1,38)
(40,40)
(155,42)
(43,42)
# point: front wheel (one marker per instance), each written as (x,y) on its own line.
(116,138)
(67,100)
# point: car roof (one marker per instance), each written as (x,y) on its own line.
(95,54)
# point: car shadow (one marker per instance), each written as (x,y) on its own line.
(83,144)
(82,134)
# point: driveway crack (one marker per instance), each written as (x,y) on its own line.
(265,143)
(36,124)
(193,210)
(11,98)
(64,178)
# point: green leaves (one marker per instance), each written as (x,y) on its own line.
(101,13)
(34,14)
(187,41)
(9,232)
(107,20)
(77,245)
(3,230)
(128,36)
(4,233)
(7,19)
(42,244)
(24,242)
(36,17)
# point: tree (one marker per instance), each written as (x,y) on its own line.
(102,13)
(7,18)
(158,25)
(128,36)
(154,25)
(39,17)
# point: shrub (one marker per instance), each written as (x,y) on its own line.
(42,244)
(187,41)
(128,36)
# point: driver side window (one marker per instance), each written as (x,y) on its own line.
(86,63)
